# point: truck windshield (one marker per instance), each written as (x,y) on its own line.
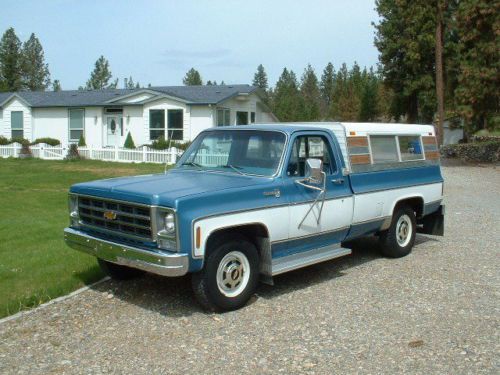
(252,152)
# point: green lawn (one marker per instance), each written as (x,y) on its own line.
(35,264)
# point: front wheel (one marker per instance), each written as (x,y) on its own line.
(398,240)
(229,277)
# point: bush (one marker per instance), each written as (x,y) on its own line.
(47,140)
(73,153)
(484,152)
(19,140)
(129,142)
(81,142)
(3,141)
(162,144)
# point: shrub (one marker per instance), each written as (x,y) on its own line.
(73,153)
(3,141)
(81,142)
(162,144)
(19,140)
(488,151)
(129,142)
(47,140)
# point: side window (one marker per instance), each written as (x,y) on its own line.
(306,147)
(384,149)
(410,147)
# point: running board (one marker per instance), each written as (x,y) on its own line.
(299,260)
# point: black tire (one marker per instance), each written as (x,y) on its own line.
(390,246)
(117,272)
(205,285)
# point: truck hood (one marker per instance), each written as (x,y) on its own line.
(165,189)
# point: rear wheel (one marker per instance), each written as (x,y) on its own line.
(229,277)
(398,240)
(117,272)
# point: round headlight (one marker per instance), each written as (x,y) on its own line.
(169,223)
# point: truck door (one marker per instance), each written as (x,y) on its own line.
(324,222)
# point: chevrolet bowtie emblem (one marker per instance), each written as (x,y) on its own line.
(109,215)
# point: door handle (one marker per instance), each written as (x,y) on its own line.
(338,181)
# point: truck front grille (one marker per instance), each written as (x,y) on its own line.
(129,220)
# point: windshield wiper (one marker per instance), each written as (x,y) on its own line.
(234,167)
(191,163)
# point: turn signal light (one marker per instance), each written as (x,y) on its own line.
(198,237)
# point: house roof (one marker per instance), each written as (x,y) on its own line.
(85,98)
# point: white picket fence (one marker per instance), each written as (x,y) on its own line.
(142,154)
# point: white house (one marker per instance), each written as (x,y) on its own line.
(105,117)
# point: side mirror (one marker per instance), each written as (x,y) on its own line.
(314,171)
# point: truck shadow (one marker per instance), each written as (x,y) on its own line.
(173,297)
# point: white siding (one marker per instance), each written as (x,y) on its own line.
(134,123)
(94,129)
(202,117)
(165,104)
(16,105)
(51,122)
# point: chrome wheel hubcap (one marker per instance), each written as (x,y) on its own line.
(233,274)
(403,230)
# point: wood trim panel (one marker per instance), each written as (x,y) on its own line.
(360,159)
(432,155)
(429,140)
(357,141)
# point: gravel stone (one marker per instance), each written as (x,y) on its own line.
(434,311)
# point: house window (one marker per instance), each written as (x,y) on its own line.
(223,117)
(252,117)
(241,118)
(384,148)
(16,124)
(156,124)
(76,124)
(410,147)
(176,124)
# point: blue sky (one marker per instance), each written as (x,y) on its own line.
(158,41)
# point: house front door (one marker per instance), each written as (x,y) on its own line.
(114,130)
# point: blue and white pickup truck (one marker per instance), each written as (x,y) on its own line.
(247,203)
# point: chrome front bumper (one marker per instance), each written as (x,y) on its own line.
(161,263)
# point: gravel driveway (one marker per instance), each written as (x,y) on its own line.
(435,311)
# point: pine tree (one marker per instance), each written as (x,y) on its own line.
(405,38)
(56,85)
(35,71)
(192,78)
(479,80)
(327,86)
(10,61)
(368,110)
(260,78)
(287,103)
(309,91)
(128,83)
(100,76)
(209,83)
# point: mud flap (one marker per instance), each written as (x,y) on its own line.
(432,224)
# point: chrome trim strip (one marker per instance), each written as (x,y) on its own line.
(303,259)
(312,235)
(158,262)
